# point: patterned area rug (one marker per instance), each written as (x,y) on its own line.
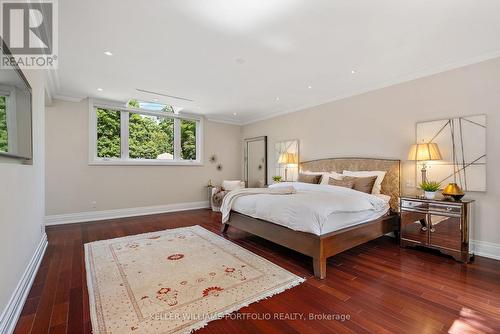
(174,281)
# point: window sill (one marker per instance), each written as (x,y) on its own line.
(131,162)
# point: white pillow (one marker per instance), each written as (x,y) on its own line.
(377,186)
(334,175)
(232,185)
(308,172)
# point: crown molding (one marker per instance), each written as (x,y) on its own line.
(224,120)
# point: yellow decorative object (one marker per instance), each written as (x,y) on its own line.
(454,191)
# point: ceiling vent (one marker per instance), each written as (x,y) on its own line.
(165,95)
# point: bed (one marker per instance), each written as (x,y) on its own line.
(321,241)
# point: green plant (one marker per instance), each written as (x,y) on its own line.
(430,186)
(277,178)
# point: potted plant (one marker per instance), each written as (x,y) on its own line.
(430,188)
(277,179)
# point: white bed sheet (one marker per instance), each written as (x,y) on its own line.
(336,221)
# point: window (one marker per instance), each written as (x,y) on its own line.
(108,133)
(151,137)
(188,139)
(8,120)
(4,135)
(136,135)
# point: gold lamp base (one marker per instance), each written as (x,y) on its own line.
(454,191)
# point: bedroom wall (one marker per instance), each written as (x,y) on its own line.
(381,124)
(72,185)
(22,208)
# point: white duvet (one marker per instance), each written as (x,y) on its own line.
(311,208)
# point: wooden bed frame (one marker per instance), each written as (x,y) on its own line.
(324,246)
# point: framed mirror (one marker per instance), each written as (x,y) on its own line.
(286,160)
(15,113)
(255,162)
(462,145)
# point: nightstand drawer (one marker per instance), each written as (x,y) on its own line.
(407,204)
(445,208)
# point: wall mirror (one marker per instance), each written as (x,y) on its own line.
(15,113)
(462,145)
(255,162)
(286,160)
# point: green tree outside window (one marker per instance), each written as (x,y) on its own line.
(150,137)
(4,135)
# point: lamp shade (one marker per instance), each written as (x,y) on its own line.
(288,159)
(424,152)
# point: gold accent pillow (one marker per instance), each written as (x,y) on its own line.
(341,183)
(363,184)
(308,178)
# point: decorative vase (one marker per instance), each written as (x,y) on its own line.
(454,191)
(429,194)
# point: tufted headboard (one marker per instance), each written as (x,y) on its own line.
(391,185)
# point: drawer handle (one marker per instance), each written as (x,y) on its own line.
(424,228)
(449,209)
(433,230)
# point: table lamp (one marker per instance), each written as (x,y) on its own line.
(288,159)
(424,152)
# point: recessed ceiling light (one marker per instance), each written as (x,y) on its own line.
(234,114)
(353,72)
(155,100)
(108,53)
(240,61)
(99,89)
(309,87)
(277,99)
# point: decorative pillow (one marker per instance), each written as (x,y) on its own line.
(309,178)
(377,187)
(230,185)
(325,179)
(363,184)
(341,183)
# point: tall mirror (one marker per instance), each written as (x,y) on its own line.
(15,113)
(255,162)
(286,160)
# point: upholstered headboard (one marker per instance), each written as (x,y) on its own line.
(391,185)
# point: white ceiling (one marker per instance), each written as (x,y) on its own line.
(237,56)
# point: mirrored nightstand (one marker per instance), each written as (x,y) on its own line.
(442,224)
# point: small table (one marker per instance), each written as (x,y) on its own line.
(209,191)
(443,224)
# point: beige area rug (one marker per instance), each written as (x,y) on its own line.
(174,281)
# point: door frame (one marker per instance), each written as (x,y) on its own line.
(246,141)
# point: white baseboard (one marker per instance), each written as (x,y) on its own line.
(81,217)
(486,249)
(9,317)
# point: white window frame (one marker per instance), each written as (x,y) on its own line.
(124,123)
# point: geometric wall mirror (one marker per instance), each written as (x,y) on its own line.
(462,143)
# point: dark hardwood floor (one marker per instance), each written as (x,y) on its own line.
(380,287)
